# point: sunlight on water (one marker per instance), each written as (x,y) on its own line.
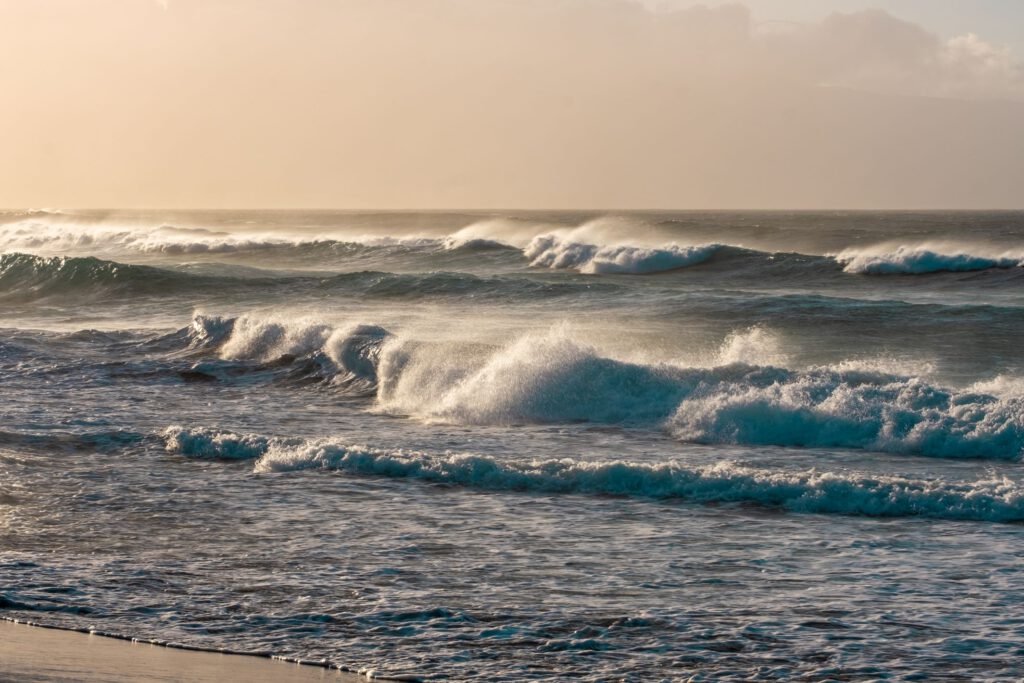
(521,446)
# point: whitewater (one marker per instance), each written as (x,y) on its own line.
(521,446)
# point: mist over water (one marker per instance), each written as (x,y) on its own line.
(521,445)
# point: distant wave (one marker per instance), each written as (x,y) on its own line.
(994,500)
(35,277)
(916,260)
(595,248)
(554,252)
(28,277)
(72,238)
(552,378)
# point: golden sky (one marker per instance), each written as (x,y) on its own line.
(404,104)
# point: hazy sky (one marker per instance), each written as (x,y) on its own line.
(512,103)
(1001,21)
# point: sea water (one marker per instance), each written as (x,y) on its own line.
(509,446)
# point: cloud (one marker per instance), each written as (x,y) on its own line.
(976,67)
(872,50)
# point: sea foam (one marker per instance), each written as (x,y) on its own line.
(992,500)
(551,377)
(922,259)
(555,252)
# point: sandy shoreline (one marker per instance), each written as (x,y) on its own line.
(32,653)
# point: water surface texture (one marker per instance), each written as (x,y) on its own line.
(764,446)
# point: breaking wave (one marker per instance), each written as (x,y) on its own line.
(554,252)
(31,235)
(992,500)
(550,378)
(918,260)
(601,246)
(111,240)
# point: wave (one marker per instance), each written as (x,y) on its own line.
(917,260)
(28,277)
(553,252)
(607,245)
(31,235)
(103,441)
(558,252)
(829,408)
(552,378)
(213,444)
(70,237)
(347,357)
(993,500)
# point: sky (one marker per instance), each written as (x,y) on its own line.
(529,104)
(1000,21)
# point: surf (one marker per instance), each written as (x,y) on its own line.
(743,395)
(985,500)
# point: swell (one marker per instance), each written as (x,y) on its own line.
(993,500)
(25,277)
(49,442)
(741,396)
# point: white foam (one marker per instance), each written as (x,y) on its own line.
(827,408)
(551,251)
(997,499)
(351,351)
(746,397)
(212,443)
(924,258)
(539,377)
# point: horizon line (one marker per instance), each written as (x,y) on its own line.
(520,209)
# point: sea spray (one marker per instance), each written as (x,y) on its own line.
(551,377)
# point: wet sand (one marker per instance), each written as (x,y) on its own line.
(30,653)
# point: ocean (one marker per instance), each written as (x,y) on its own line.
(522,445)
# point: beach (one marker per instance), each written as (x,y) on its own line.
(31,653)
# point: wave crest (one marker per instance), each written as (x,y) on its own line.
(27,277)
(214,444)
(346,356)
(549,378)
(829,408)
(918,260)
(993,500)
(554,252)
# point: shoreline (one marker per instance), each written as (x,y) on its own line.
(37,652)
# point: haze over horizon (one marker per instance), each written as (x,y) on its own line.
(333,333)
(578,104)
